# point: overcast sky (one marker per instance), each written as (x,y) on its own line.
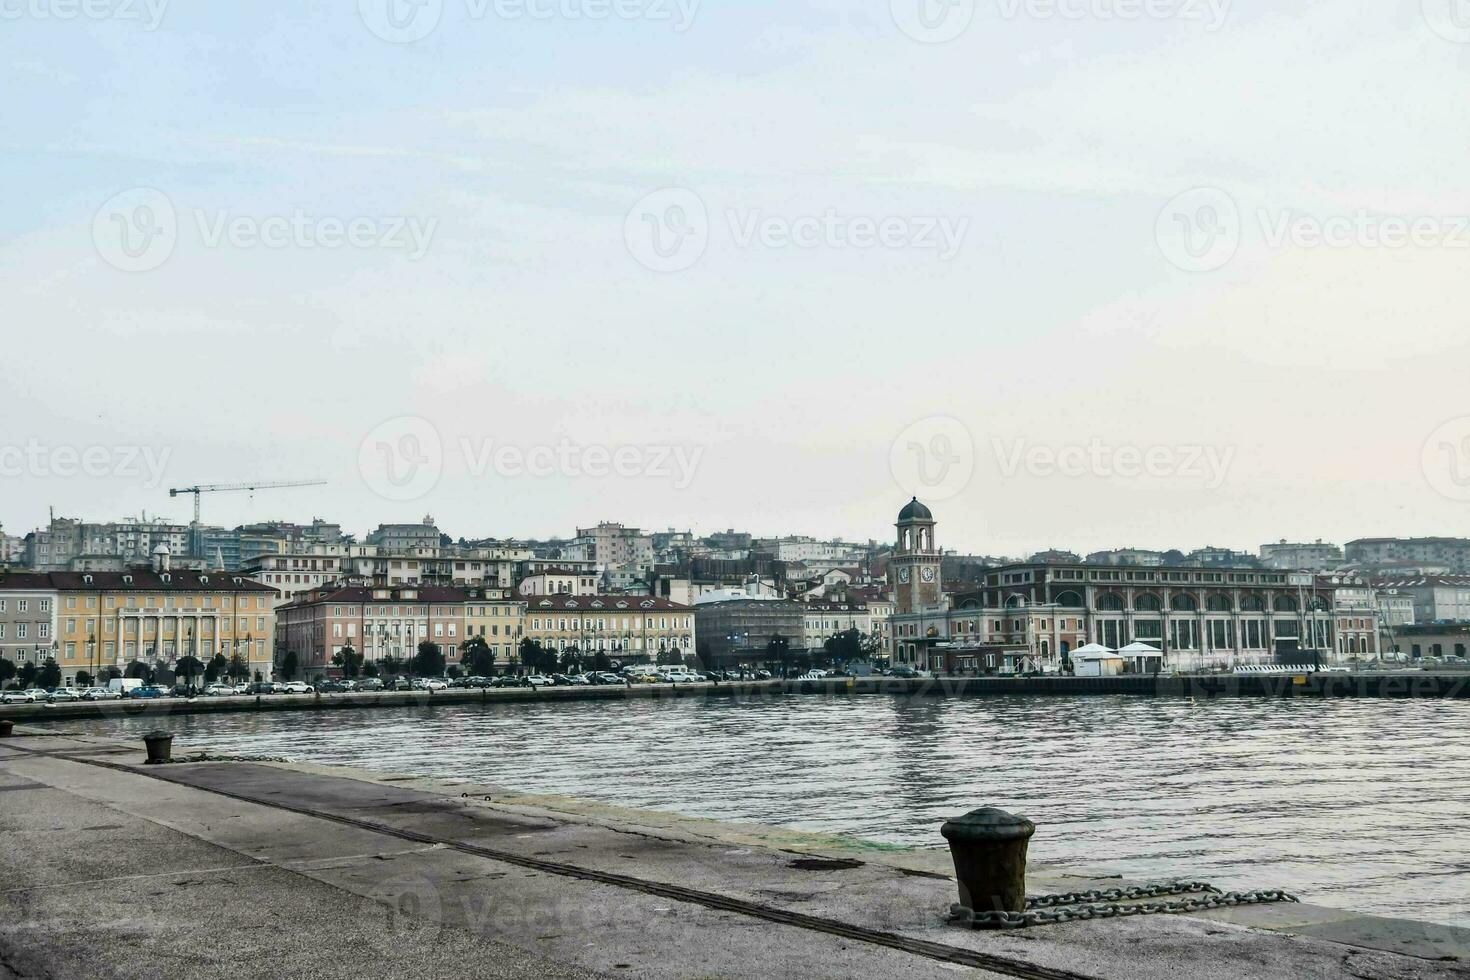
(1164,273)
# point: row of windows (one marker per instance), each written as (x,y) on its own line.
(24,605)
(23,631)
(602,623)
(166,602)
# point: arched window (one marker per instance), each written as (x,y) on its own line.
(1318,604)
(1015,601)
(1110,602)
(1148,602)
(1219,603)
(1252,603)
(1285,603)
(1183,602)
(1070,600)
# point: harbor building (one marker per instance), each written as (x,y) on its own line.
(1031,616)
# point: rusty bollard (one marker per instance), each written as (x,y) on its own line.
(160,747)
(7,728)
(989,851)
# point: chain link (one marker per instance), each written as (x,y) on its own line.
(206,757)
(1098,904)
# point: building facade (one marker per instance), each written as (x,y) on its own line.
(27,617)
(1436,598)
(736,629)
(621,626)
(1293,556)
(1453,553)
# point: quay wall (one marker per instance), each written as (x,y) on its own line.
(1198,686)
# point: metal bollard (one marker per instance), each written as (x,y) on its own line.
(7,728)
(160,747)
(989,851)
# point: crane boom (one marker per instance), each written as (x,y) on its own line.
(221,487)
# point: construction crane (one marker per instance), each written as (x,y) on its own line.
(221,487)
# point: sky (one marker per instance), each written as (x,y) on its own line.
(1078,273)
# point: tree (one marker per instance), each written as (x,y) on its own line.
(477,657)
(601,661)
(189,668)
(7,671)
(669,656)
(49,675)
(776,650)
(217,667)
(28,672)
(429,661)
(706,654)
(289,665)
(239,667)
(109,674)
(84,678)
(139,670)
(163,675)
(571,662)
(349,660)
(370,669)
(391,665)
(536,657)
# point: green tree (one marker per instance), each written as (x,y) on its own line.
(429,661)
(477,657)
(84,678)
(391,665)
(49,675)
(109,674)
(28,672)
(349,660)
(570,662)
(239,667)
(289,665)
(776,651)
(189,668)
(536,657)
(139,670)
(163,675)
(7,671)
(217,667)
(601,661)
(370,669)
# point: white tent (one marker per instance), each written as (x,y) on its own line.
(1142,657)
(1096,660)
(1140,648)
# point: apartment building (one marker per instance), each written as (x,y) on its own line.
(27,617)
(1314,557)
(620,626)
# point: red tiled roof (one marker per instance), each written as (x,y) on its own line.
(606,603)
(147,580)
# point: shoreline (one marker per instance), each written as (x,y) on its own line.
(1378,685)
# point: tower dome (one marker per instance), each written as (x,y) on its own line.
(914,511)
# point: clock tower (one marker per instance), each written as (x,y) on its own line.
(914,571)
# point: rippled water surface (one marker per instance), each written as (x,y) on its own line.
(1358,803)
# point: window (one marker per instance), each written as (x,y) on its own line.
(20,631)
(22,605)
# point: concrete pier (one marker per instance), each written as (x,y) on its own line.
(243,869)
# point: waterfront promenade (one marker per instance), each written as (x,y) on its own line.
(246,869)
(1384,684)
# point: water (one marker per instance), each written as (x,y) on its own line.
(1363,804)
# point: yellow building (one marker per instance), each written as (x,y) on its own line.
(155,615)
(622,626)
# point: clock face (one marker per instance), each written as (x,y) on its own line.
(927,573)
(903,575)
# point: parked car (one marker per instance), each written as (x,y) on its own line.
(63,694)
(476,681)
(400,684)
(147,691)
(298,687)
(538,680)
(218,691)
(101,694)
(37,693)
(578,679)
(332,687)
(17,697)
(370,684)
(435,684)
(763,675)
(509,681)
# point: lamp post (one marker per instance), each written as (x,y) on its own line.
(92,655)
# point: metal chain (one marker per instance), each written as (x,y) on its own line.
(1082,906)
(206,757)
